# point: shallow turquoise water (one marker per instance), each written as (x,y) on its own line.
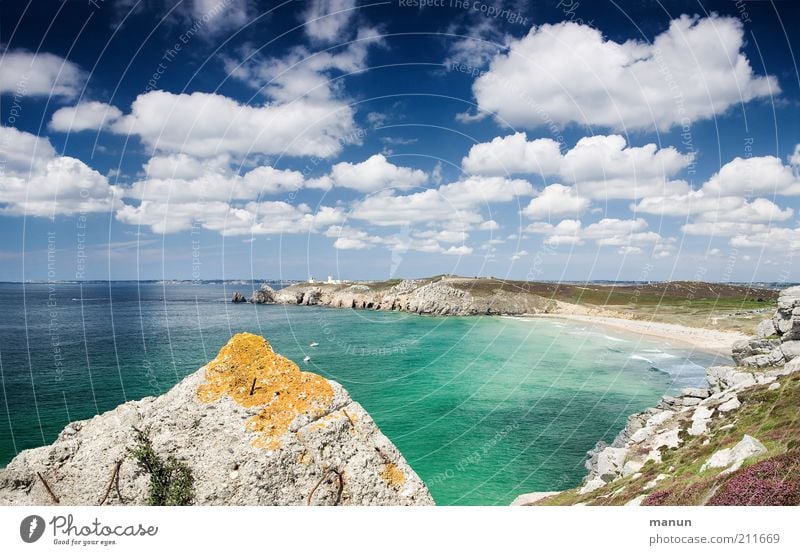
(483,408)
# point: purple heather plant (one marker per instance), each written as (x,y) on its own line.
(775,481)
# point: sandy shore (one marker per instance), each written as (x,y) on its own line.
(714,341)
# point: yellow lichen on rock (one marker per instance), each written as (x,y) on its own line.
(248,371)
(393,476)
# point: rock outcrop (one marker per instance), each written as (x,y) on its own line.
(238,298)
(250,426)
(778,338)
(265,295)
(444,296)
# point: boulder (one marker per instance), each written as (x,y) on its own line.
(774,358)
(610,462)
(766,328)
(669,439)
(689,401)
(731,404)
(782,320)
(700,420)
(790,349)
(789,298)
(791,367)
(699,392)
(719,377)
(631,467)
(238,298)
(591,485)
(732,458)
(747,348)
(251,428)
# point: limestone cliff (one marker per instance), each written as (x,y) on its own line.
(734,442)
(252,428)
(442,296)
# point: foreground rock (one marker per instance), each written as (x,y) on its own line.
(252,429)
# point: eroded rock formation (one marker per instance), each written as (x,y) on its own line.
(252,428)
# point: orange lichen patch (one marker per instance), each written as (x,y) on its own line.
(393,476)
(248,371)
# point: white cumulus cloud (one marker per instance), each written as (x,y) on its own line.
(570,73)
(39,74)
(375,174)
(84,116)
(36,181)
(554,202)
(599,166)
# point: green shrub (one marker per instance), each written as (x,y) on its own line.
(171,481)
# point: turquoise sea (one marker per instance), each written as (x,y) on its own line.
(484,409)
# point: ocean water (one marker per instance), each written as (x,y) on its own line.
(484,409)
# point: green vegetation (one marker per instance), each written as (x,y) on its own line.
(688,303)
(769,415)
(171,481)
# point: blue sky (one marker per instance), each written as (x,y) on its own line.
(542,140)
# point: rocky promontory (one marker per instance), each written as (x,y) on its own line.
(734,442)
(249,428)
(441,295)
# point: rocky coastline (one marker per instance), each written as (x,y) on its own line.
(249,428)
(440,296)
(634,466)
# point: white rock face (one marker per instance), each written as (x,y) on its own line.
(446,296)
(699,392)
(700,420)
(729,405)
(609,462)
(731,459)
(766,328)
(253,429)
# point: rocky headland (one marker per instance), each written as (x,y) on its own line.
(441,296)
(734,442)
(702,306)
(249,428)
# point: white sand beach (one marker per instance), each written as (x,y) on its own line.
(714,341)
